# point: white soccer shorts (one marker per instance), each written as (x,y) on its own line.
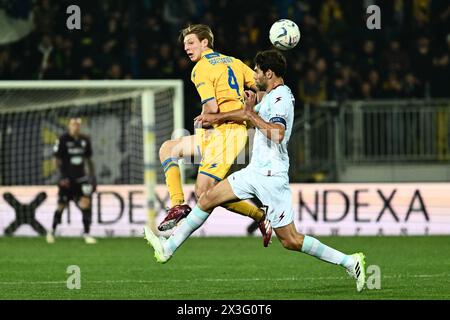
(272,191)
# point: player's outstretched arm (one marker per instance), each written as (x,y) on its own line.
(238,115)
(235,115)
(273,131)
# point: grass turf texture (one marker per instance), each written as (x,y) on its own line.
(220,268)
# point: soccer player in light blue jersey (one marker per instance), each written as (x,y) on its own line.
(266,176)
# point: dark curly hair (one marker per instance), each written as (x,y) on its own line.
(273,60)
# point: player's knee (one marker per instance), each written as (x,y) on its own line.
(85,203)
(199,191)
(203,185)
(204,201)
(165,149)
(168,149)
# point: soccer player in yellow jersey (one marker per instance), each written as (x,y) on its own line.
(220,82)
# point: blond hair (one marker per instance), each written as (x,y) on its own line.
(202,31)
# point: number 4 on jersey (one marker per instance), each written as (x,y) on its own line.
(232,81)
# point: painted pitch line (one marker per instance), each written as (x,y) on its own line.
(224,279)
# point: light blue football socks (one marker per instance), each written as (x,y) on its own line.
(193,221)
(311,245)
(315,248)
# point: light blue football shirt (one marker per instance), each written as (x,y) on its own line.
(277,107)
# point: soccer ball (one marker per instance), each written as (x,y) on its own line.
(284,34)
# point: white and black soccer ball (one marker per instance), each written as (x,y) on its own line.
(284,34)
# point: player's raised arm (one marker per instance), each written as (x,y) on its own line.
(272,130)
(237,115)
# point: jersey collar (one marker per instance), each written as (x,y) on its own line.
(278,85)
(204,53)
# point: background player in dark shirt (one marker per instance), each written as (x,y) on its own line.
(72,152)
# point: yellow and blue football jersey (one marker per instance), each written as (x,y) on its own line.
(221,77)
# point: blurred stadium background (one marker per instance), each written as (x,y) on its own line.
(370,151)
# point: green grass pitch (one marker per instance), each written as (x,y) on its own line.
(220,268)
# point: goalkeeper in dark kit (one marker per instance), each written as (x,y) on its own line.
(72,153)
